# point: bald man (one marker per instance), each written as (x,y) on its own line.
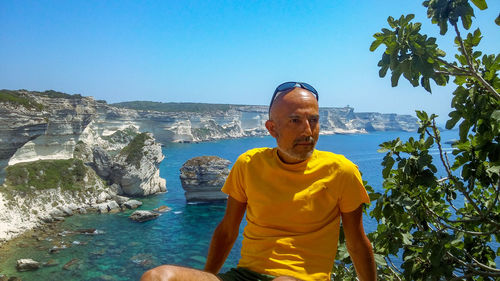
(294,197)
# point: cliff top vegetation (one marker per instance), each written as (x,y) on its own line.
(16,97)
(133,150)
(174,106)
(46,174)
(22,97)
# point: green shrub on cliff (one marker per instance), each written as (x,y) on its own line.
(121,136)
(18,98)
(174,106)
(133,151)
(46,174)
(56,94)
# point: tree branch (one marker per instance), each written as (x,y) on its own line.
(448,170)
(440,220)
(471,268)
(394,268)
(471,65)
(452,73)
(452,66)
(481,265)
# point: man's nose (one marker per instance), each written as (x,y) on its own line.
(307,128)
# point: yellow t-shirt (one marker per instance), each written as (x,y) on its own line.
(293,210)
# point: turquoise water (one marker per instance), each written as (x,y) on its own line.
(123,250)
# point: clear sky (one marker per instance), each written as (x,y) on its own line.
(215,51)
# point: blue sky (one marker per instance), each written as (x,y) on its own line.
(215,51)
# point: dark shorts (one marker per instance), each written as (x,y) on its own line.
(243,274)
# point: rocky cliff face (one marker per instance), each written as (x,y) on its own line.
(134,169)
(57,159)
(48,127)
(203,177)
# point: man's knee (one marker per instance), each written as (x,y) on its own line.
(160,273)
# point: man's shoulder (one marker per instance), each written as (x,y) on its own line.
(339,161)
(260,152)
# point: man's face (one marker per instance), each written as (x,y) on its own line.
(294,123)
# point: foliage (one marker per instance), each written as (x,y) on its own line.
(122,136)
(56,94)
(441,228)
(174,106)
(133,151)
(46,174)
(18,98)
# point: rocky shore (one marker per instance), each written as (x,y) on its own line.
(57,161)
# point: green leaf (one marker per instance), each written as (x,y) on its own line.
(424,81)
(497,20)
(387,163)
(380,260)
(496,115)
(407,238)
(466,22)
(375,45)
(481,4)
(395,78)
(455,116)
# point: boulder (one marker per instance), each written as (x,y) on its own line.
(57,213)
(120,199)
(103,196)
(71,264)
(132,204)
(142,216)
(162,209)
(107,207)
(203,177)
(66,210)
(86,231)
(27,265)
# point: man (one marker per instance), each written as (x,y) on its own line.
(294,197)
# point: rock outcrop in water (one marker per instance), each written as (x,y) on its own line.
(203,177)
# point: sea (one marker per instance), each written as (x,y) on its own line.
(121,249)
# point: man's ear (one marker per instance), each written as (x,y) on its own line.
(271,128)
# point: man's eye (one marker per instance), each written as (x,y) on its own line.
(295,120)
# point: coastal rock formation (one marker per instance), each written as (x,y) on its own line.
(142,216)
(203,177)
(132,204)
(59,161)
(27,264)
(49,125)
(136,167)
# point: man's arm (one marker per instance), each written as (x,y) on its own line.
(224,235)
(358,245)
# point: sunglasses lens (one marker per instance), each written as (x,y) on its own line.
(285,86)
(309,88)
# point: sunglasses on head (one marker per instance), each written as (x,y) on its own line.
(287,86)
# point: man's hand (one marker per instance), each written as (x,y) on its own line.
(358,245)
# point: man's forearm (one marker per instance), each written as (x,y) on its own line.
(220,246)
(363,259)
